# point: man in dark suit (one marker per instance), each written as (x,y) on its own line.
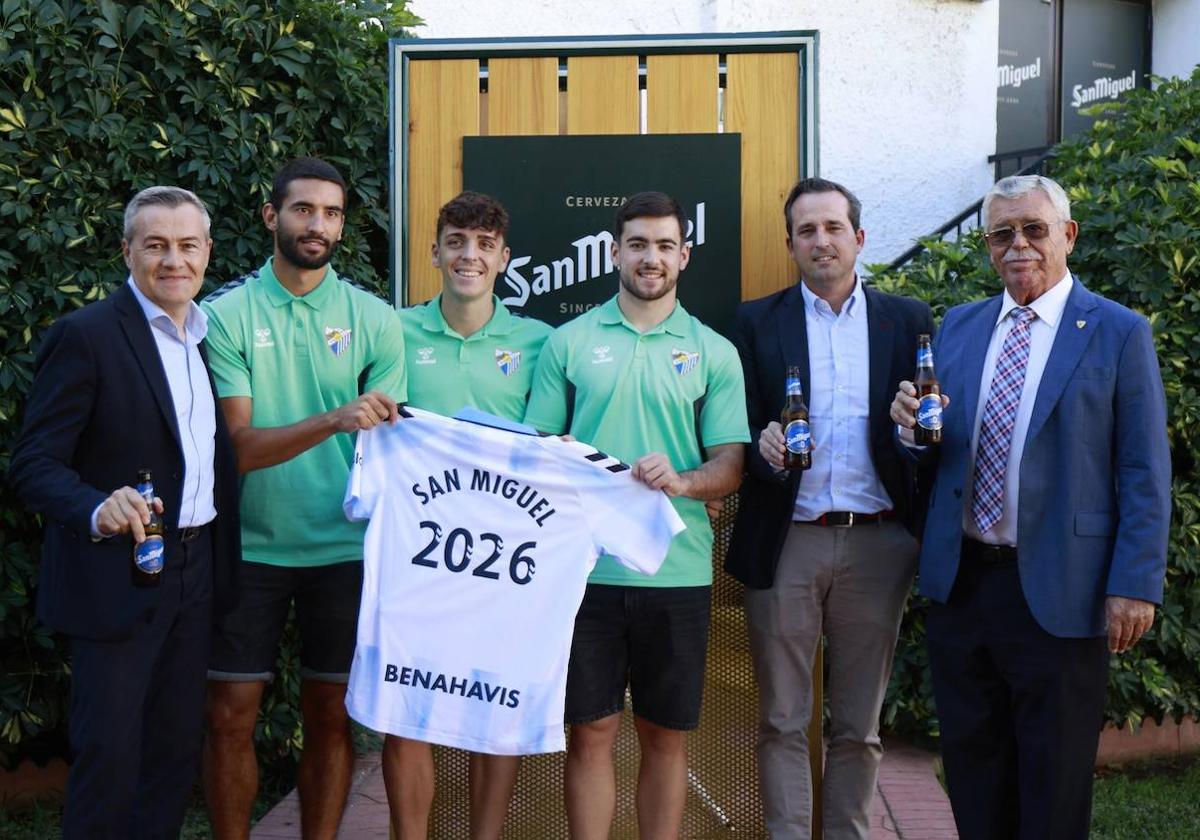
(122,385)
(1045,545)
(825,550)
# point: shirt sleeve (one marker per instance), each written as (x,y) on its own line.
(723,417)
(626,519)
(226,358)
(361,488)
(387,369)
(547,409)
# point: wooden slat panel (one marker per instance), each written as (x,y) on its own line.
(522,96)
(602,95)
(681,94)
(761,96)
(442,96)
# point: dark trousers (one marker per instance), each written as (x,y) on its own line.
(1020,710)
(137,710)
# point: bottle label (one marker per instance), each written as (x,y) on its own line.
(148,555)
(929,412)
(797,437)
(793,385)
(146,491)
(924,357)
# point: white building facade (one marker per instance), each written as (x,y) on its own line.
(906,110)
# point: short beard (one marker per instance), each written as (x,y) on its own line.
(630,286)
(289,248)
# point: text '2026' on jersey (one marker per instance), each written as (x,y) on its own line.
(477,553)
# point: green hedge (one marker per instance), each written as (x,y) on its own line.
(1134,185)
(101,99)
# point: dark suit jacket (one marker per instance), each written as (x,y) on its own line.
(99,410)
(1094,502)
(770,333)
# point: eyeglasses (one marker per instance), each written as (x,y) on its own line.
(1033,231)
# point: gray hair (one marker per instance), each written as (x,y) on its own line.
(162,197)
(1015,186)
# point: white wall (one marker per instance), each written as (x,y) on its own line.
(906,88)
(1176,48)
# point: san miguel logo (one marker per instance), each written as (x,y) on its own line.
(1103,88)
(1011,75)
(591,258)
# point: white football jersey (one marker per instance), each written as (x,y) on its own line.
(479,546)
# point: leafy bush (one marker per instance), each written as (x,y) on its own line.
(1134,185)
(100,99)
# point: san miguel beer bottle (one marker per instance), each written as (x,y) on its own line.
(929,410)
(797,435)
(148,554)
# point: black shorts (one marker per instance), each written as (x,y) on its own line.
(654,639)
(245,642)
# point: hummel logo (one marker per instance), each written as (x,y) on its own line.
(601,354)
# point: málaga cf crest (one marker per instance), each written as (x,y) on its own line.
(338,339)
(684,362)
(508,361)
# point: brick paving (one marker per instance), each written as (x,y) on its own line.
(909,803)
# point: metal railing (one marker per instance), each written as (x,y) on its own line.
(1005,164)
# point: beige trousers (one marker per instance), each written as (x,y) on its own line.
(850,584)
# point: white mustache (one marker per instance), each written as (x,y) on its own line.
(1013,256)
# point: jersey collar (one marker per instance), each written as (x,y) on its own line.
(278,295)
(501,322)
(676,323)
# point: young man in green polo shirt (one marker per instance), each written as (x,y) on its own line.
(464,349)
(644,381)
(302,361)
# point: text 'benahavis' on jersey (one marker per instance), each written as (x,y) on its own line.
(478,549)
(295,357)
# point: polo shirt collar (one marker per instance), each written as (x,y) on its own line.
(501,322)
(676,323)
(278,295)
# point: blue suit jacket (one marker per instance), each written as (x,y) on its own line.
(1094,497)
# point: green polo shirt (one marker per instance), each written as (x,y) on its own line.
(296,357)
(491,370)
(671,389)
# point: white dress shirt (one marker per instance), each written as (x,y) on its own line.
(1049,308)
(195,407)
(842,476)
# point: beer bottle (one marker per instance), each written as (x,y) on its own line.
(148,554)
(797,435)
(929,410)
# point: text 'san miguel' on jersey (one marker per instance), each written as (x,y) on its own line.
(477,554)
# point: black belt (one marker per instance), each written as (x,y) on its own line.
(190,533)
(847,518)
(985,554)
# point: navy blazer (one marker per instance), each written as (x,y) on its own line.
(770,334)
(99,410)
(1094,500)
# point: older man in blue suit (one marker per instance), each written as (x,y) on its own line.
(1045,545)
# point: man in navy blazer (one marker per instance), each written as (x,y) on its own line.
(1045,544)
(122,385)
(826,551)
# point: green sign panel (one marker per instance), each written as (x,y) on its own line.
(562,193)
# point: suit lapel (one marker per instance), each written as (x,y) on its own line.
(145,353)
(1075,329)
(881,343)
(974,344)
(793,338)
